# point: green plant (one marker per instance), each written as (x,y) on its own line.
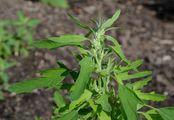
(93,94)
(37,118)
(16,37)
(57,3)
(23,32)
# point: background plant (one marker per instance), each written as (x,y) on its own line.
(57,3)
(93,94)
(16,37)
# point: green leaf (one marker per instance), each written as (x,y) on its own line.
(56,75)
(150,96)
(141,83)
(66,86)
(33,23)
(47,44)
(152,115)
(167,113)
(29,85)
(117,49)
(103,101)
(5,64)
(83,78)
(59,100)
(47,80)
(156,117)
(147,116)
(111,21)
(52,73)
(132,66)
(78,22)
(93,105)
(59,3)
(129,102)
(73,74)
(126,76)
(37,118)
(103,116)
(68,39)
(56,42)
(73,115)
(84,97)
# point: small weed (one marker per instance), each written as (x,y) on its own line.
(16,37)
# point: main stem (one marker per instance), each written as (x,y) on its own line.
(98,53)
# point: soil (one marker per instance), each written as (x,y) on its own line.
(145,36)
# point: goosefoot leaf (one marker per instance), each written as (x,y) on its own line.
(103,116)
(150,96)
(167,113)
(103,101)
(36,83)
(83,78)
(57,3)
(111,21)
(56,42)
(117,49)
(84,97)
(141,83)
(132,66)
(29,85)
(73,115)
(152,115)
(59,100)
(129,102)
(78,22)
(126,76)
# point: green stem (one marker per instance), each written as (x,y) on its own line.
(151,107)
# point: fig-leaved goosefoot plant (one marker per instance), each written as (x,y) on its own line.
(92,96)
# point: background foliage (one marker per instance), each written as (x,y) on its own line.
(16,37)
